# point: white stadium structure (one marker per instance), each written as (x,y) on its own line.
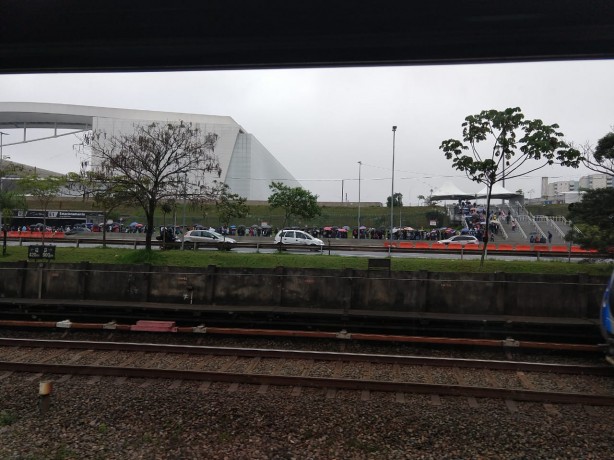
(247,166)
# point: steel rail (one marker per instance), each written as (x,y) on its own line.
(315,382)
(574,369)
(343,335)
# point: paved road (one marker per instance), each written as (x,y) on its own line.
(128,239)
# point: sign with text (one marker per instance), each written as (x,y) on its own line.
(41,252)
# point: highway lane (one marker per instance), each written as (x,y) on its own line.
(355,248)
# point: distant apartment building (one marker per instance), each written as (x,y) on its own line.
(560,187)
(595,181)
(569,191)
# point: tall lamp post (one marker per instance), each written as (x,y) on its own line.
(394,132)
(1,171)
(359,167)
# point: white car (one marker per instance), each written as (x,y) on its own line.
(460,239)
(298,238)
(208,236)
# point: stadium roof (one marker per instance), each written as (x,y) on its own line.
(28,115)
(247,166)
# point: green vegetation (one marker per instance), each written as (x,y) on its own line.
(155,163)
(6,418)
(229,205)
(601,158)
(370,216)
(512,140)
(594,216)
(295,201)
(203,258)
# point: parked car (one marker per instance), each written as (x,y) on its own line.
(460,239)
(40,228)
(208,236)
(298,238)
(77,230)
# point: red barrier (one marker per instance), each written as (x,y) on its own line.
(523,247)
(541,248)
(580,250)
(35,235)
(473,247)
(491,247)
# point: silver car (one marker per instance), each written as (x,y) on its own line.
(298,238)
(460,239)
(208,236)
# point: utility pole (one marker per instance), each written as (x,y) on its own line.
(394,132)
(359,167)
(1,173)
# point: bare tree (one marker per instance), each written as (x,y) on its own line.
(107,195)
(152,163)
(600,158)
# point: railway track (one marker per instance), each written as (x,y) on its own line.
(330,371)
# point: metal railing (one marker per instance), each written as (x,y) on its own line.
(519,219)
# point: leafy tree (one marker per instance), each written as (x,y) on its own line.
(9,197)
(152,163)
(594,216)
(167,207)
(427,200)
(398,200)
(9,200)
(230,205)
(295,201)
(44,190)
(600,158)
(106,194)
(512,141)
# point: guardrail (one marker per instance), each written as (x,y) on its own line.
(418,246)
(534,250)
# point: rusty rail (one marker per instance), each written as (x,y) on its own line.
(314,355)
(315,382)
(342,335)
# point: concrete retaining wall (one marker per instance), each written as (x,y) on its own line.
(573,296)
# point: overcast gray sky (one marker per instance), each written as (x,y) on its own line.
(320,122)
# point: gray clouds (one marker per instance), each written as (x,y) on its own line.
(320,122)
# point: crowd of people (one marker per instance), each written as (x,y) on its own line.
(474,215)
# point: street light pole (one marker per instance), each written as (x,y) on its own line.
(394,132)
(1,171)
(185,199)
(359,167)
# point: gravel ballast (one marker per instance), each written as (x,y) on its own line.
(108,420)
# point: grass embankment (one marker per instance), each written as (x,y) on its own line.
(371,216)
(203,258)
